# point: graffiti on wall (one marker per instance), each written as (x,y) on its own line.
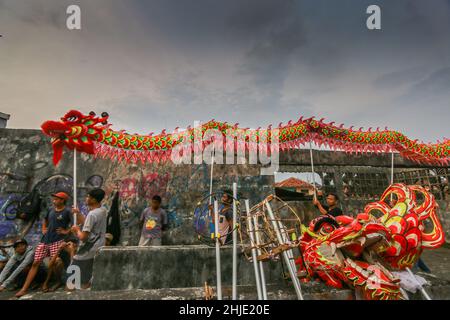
(134,194)
(21,211)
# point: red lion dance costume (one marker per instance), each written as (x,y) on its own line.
(361,252)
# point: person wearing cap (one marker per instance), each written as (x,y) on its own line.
(18,265)
(91,236)
(55,227)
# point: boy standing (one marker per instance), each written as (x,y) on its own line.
(91,236)
(154,220)
(55,227)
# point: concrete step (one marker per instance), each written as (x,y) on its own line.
(180,272)
(126,268)
(196,293)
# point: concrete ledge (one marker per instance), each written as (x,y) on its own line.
(244,293)
(126,268)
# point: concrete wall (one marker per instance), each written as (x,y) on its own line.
(172,267)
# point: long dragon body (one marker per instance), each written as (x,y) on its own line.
(92,134)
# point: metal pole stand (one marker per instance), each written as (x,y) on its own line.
(288,256)
(75,205)
(217,236)
(261,266)
(253,246)
(234,275)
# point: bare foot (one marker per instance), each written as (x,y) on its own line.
(44,288)
(21,293)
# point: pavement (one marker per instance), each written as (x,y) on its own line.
(437,260)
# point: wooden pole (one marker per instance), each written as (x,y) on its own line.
(211,178)
(75,204)
(253,244)
(312,169)
(392,172)
(286,256)
(217,236)
(261,267)
(392,167)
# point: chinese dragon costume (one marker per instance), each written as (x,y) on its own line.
(93,135)
(362,252)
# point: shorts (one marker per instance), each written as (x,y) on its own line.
(143,242)
(44,250)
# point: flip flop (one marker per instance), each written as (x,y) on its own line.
(21,295)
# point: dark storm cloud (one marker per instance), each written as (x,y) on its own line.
(274,38)
(436,84)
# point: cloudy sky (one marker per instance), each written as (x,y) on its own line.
(162,64)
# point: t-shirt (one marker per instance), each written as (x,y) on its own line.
(15,266)
(95,224)
(333,212)
(225,214)
(62,219)
(153,221)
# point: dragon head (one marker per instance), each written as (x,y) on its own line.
(75,131)
(409,212)
(397,227)
(353,235)
(334,249)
